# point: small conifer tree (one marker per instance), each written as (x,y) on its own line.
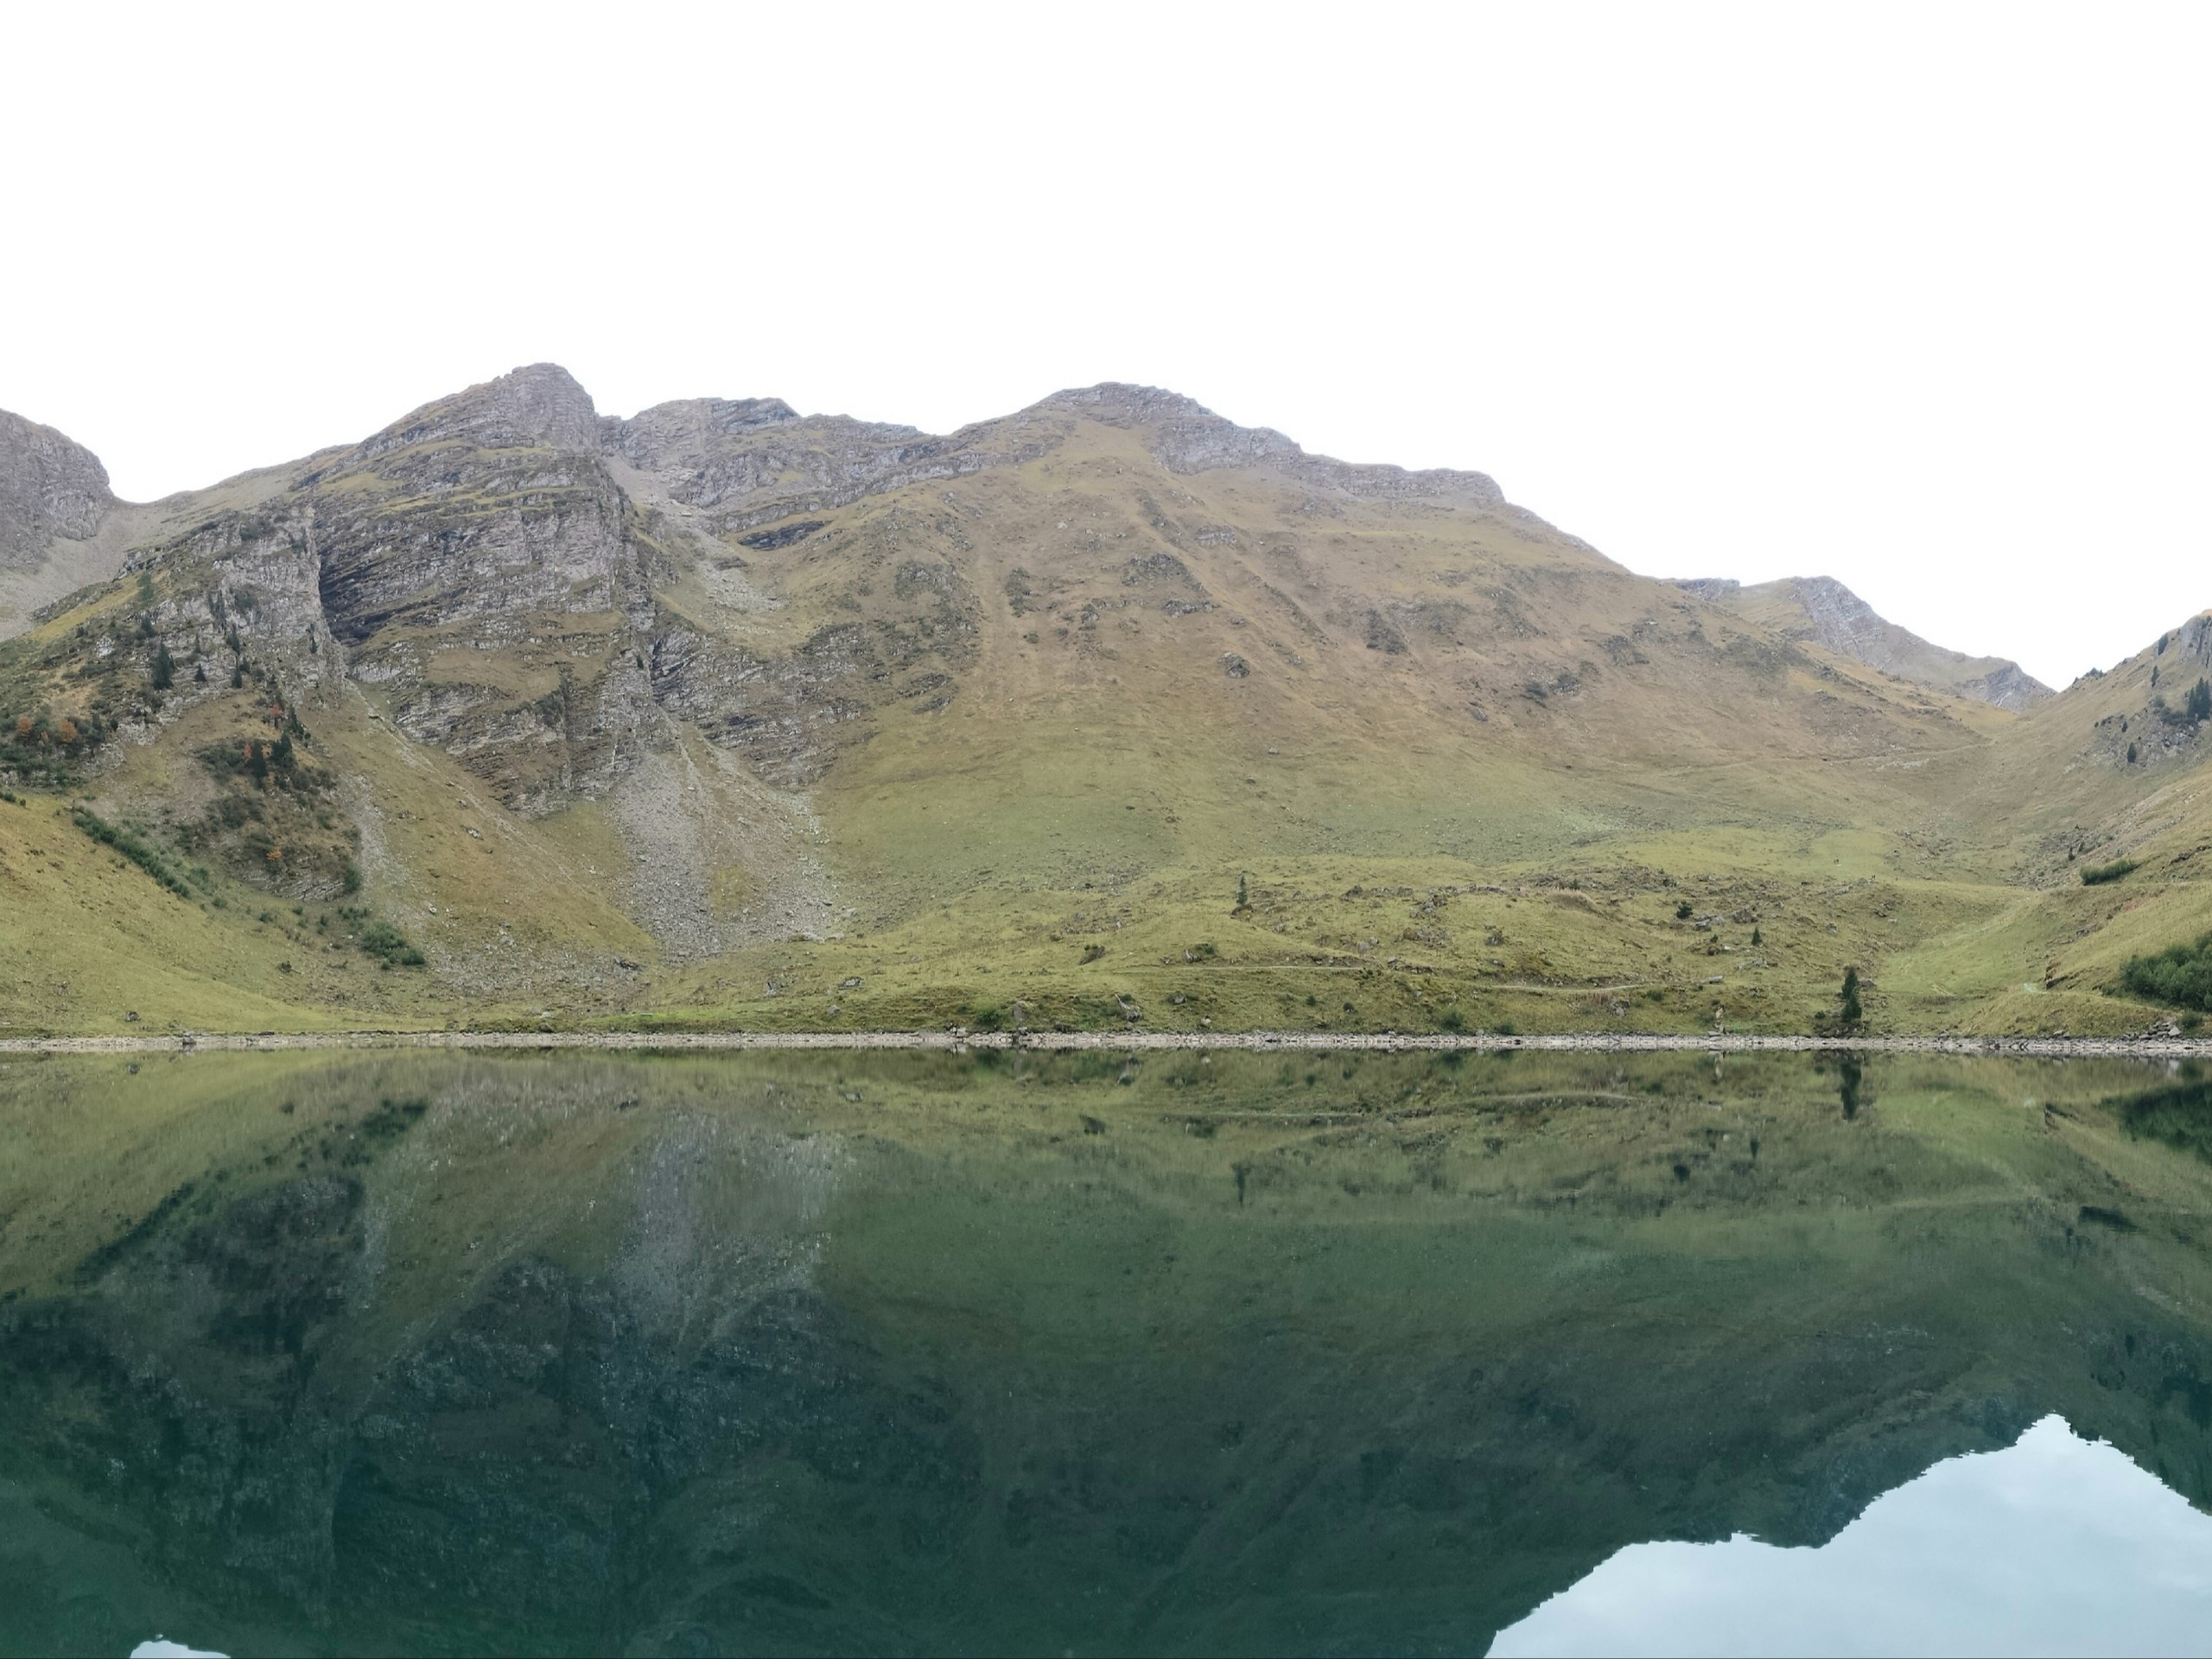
(1851,1013)
(1244,895)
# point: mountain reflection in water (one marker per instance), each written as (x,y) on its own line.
(2051,1546)
(921,1353)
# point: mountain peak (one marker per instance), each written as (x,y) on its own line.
(689,430)
(1188,437)
(538,406)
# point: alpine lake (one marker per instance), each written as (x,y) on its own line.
(398,1352)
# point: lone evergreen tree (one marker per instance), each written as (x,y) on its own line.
(1244,898)
(1851,1013)
(1755,936)
(2199,706)
(164,669)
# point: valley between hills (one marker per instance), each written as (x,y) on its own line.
(1106,715)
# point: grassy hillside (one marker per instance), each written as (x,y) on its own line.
(721,715)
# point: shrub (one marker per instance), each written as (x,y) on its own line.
(1683,910)
(131,847)
(388,945)
(266,762)
(1452,1020)
(2180,974)
(2097,875)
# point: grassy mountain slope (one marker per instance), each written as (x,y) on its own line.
(1822,609)
(723,714)
(2109,773)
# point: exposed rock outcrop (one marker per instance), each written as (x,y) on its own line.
(50,487)
(537,407)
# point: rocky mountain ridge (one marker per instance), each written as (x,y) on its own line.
(575,700)
(1822,609)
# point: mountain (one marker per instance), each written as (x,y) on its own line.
(1822,609)
(516,712)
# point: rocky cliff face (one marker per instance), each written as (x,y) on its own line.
(50,488)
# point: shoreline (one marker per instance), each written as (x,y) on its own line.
(1120,1042)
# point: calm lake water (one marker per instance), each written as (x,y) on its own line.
(453,1353)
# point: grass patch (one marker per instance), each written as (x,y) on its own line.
(2097,875)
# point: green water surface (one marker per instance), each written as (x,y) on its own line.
(894,1352)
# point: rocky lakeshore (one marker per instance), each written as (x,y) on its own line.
(2175,1048)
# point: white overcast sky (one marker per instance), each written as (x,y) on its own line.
(1912,295)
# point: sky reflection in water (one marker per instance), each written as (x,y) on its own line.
(2056,1545)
